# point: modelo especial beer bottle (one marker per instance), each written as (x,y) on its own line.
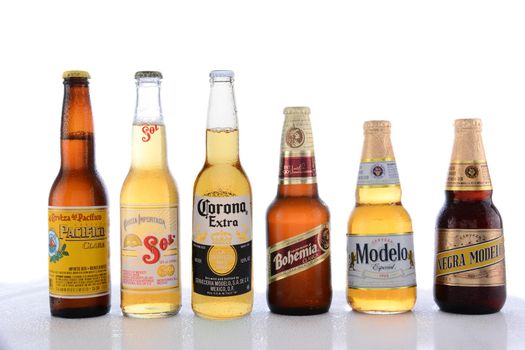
(78,234)
(470,255)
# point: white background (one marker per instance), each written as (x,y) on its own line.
(419,64)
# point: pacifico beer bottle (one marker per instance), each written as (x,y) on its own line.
(78,214)
(298,227)
(149,222)
(381,265)
(470,256)
(222,214)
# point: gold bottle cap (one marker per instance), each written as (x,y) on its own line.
(468,123)
(297,110)
(76,74)
(377,126)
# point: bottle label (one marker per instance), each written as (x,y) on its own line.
(381,261)
(298,253)
(378,173)
(222,245)
(297,169)
(468,176)
(78,252)
(149,247)
(148,130)
(470,258)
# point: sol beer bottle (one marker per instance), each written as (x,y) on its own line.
(79,284)
(298,227)
(470,261)
(149,220)
(381,266)
(222,214)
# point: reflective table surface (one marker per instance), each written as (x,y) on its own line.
(25,323)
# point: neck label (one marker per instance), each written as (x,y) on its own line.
(378,173)
(468,176)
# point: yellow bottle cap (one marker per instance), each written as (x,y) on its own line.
(76,74)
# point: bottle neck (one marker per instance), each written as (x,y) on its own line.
(468,178)
(222,135)
(378,182)
(297,173)
(149,134)
(77,139)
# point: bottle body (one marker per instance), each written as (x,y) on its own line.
(222,216)
(78,215)
(149,223)
(298,227)
(381,260)
(470,267)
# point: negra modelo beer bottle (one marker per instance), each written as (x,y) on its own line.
(298,227)
(470,261)
(78,214)
(222,214)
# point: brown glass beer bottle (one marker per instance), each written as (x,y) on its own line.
(298,227)
(470,256)
(78,214)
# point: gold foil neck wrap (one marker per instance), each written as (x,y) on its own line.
(297,138)
(377,144)
(472,123)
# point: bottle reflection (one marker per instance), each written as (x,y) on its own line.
(487,332)
(393,332)
(98,328)
(299,332)
(228,334)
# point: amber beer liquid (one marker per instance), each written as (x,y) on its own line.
(149,222)
(470,254)
(381,262)
(298,227)
(78,234)
(222,214)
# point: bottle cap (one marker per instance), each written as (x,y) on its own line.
(377,126)
(222,74)
(472,123)
(297,110)
(76,74)
(148,74)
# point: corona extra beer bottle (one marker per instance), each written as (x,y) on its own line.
(149,222)
(470,256)
(298,227)
(381,266)
(79,283)
(222,214)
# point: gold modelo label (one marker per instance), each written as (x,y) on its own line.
(468,176)
(78,251)
(299,253)
(470,258)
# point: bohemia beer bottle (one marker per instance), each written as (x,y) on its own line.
(149,220)
(381,269)
(470,261)
(78,214)
(298,227)
(222,214)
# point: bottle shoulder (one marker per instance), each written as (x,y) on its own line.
(381,219)
(227,178)
(78,188)
(303,207)
(149,187)
(469,215)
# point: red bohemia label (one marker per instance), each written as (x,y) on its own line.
(297,169)
(299,253)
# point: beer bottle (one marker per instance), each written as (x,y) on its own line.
(381,266)
(149,222)
(298,227)
(222,214)
(470,256)
(79,284)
